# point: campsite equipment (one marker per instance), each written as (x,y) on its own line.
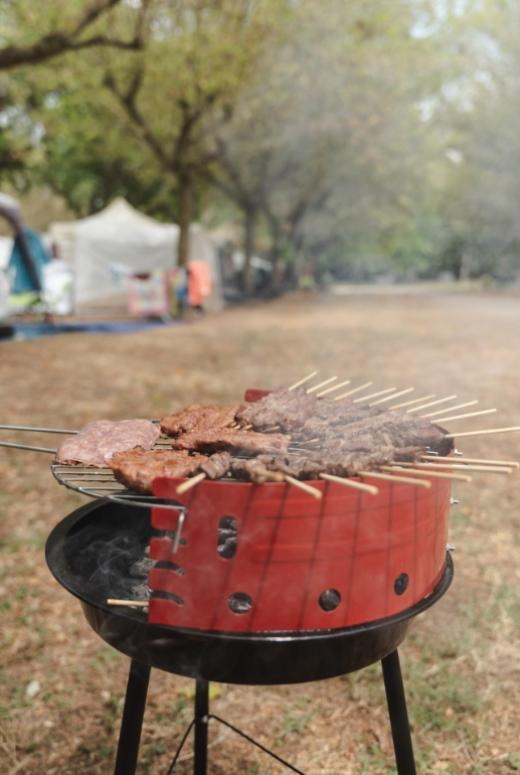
(103,249)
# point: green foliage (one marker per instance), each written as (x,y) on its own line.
(374,138)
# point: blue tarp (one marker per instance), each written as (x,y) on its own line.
(35,330)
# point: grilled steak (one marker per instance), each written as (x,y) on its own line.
(137,469)
(98,441)
(199,417)
(247,442)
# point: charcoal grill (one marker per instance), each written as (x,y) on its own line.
(91,553)
(252,584)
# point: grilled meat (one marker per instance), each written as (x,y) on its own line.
(199,417)
(137,469)
(98,441)
(246,442)
(216,466)
(296,411)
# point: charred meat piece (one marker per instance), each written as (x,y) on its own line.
(255,470)
(199,417)
(246,442)
(312,465)
(217,466)
(98,441)
(137,469)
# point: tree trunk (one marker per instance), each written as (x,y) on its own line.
(185,216)
(249,247)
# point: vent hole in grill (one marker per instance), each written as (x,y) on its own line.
(329,599)
(227,537)
(240,603)
(159,594)
(166,565)
(401,584)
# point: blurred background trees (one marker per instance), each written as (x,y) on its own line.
(340,139)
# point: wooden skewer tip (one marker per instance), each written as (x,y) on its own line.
(135,603)
(309,489)
(189,483)
(314,388)
(361,486)
(303,381)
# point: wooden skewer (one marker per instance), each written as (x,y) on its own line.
(189,483)
(432,403)
(392,478)
(391,398)
(464,416)
(450,409)
(369,488)
(314,388)
(309,489)
(298,443)
(374,395)
(461,467)
(303,381)
(414,401)
(482,432)
(136,603)
(334,387)
(422,472)
(351,392)
(483,461)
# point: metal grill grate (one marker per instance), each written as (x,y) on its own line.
(101,482)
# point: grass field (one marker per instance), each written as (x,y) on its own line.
(61,687)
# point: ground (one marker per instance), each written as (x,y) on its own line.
(61,687)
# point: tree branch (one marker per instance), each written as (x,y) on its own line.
(128,100)
(56,43)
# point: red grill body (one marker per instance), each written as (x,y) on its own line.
(378,554)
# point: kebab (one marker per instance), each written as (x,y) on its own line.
(352,437)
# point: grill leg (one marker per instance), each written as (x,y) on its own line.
(398,714)
(201,727)
(132,721)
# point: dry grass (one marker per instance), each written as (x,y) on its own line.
(461,660)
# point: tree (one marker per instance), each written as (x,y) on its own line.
(186,81)
(328,141)
(79,32)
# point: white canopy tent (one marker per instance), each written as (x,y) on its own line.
(118,241)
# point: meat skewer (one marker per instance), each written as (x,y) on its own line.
(394,395)
(368,488)
(431,403)
(353,391)
(483,461)
(450,409)
(483,432)
(413,401)
(465,416)
(320,385)
(422,472)
(331,389)
(303,381)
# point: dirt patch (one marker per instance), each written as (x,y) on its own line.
(460,660)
